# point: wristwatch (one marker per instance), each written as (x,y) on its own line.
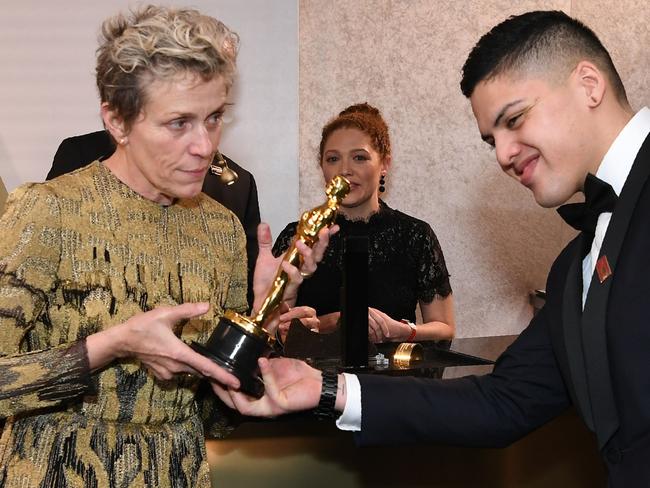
(325,408)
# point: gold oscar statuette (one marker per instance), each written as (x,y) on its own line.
(238,341)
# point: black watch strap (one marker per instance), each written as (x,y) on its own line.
(325,408)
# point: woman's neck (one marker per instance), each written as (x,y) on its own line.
(124,171)
(360,212)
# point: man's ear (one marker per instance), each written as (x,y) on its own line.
(114,124)
(591,82)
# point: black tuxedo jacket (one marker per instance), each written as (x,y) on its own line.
(240,197)
(597,359)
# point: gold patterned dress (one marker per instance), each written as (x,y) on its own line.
(80,254)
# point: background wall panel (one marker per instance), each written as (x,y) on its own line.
(405,57)
(47,54)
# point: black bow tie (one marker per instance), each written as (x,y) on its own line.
(599,197)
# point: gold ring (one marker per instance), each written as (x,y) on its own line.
(305,275)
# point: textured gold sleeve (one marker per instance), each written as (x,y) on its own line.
(29,257)
(43,378)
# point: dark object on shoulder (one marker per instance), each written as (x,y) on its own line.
(354,303)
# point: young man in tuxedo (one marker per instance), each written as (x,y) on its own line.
(547,97)
(240,197)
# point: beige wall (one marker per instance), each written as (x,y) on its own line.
(3,196)
(405,56)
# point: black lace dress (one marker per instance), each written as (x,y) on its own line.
(405,264)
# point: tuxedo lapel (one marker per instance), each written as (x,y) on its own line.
(594,317)
(571,322)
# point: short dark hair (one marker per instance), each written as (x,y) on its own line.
(544,40)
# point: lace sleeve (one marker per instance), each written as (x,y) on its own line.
(283,241)
(433,277)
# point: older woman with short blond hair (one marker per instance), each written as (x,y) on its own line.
(107,272)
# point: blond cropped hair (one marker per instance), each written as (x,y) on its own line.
(158,43)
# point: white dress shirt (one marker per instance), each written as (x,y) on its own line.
(613,169)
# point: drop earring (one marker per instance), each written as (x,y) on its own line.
(382,183)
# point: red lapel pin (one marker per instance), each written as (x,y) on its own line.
(603,269)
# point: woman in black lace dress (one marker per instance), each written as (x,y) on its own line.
(406,264)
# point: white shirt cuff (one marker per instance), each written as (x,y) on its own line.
(350,419)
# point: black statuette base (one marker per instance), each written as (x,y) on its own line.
(237,351)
